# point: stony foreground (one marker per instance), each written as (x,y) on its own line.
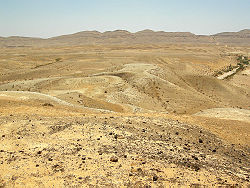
(115,151)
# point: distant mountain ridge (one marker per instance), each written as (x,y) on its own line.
(125,37)
(242,32)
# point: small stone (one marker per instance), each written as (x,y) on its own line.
(48,104)
(200,140)
(13,178)
(219,179)
(196,168)
(116,136)
(98,138)
(39,152)
(214,150)
(37,165)
(114,159)
(159,152)
(155,178)
(139,169)
(195,158)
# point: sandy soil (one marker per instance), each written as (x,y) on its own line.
(227,113)
(123,116)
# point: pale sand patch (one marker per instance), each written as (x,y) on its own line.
(226,113)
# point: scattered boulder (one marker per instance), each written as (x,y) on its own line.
(155,178)
(200,141)
(48,104)
(114,159)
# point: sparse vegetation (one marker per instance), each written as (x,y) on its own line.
(58,59)
(243,61)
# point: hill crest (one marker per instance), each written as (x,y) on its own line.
(125,37)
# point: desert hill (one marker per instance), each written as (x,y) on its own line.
(241,38)
(237,38)
(242,33)
(120,109)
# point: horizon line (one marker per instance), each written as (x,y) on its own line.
(102,32)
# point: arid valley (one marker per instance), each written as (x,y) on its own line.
(120,109)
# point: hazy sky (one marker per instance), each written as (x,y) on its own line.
(47,18)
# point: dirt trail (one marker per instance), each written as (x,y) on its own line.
(228,74)
(25,95)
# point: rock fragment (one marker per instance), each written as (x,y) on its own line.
(114,159)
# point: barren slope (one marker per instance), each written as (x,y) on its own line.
(67,114)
